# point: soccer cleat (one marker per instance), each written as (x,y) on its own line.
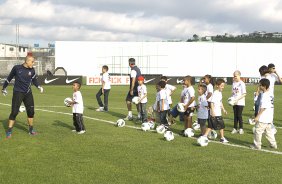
(81,132)
(224,140)
(128,118)
(8,135)
(241,131)
(252,146)
(234,131)
(32,132)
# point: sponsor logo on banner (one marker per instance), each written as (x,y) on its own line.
(147,81)
(46,81)
(72,80)
(115,80)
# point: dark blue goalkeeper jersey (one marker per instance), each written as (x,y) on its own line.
(24,77)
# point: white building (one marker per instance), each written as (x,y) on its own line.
(11,50)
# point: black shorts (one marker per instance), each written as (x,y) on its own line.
(202,122)
(17,99)
(129,96)
(189,111)
(216,123)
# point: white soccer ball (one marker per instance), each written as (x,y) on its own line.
(212,134)
(67,101)
(120,123)
(180,107)
(189,132)
(168,135)
(203,141)
(22,108)
(161,129)
(231,101)
(252,121)
(152,124)
(135,100)
(196,126)
(145,126)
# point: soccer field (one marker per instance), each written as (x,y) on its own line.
(108,154)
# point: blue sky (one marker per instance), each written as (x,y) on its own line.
(43,21)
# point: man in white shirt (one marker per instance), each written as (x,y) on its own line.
(134,74)
(273,77)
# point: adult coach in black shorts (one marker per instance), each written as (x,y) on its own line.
(24,76)
(134,74)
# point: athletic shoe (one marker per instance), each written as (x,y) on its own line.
(224,140)
(274,146)
(81,132)
(128,118)
(100,109)
(252,146)
(241,131)
(73,130)
(234,131)
(8,135)
(32,133)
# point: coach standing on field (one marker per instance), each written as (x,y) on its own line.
(134,74)
(24,76)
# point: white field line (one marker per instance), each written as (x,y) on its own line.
(138,128)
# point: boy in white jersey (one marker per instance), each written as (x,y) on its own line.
(188,98)
(202,107)
(239,93)
(216,122)
(169,89)
(264,119)
(77,109)
(105,90)
(142,94)
(163,105)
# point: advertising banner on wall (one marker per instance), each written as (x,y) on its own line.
(51,80)
(115,80)
(59,80)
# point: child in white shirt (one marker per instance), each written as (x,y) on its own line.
(142,94)
(105,90)
(202,107)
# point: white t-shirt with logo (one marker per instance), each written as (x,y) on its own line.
(163,96)
(142,91)
(267,104)
(203,112)
(238,89)
(78,106)
(187,94)
(107,80)
(169,88)
(272,78)
(216,99)
(209,90)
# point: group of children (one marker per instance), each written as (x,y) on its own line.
(209,104)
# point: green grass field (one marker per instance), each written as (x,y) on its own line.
(108,154)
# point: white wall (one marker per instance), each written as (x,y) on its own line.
(168,58)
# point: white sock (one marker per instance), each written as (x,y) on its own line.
(130,113)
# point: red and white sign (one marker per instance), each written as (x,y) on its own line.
(115,80)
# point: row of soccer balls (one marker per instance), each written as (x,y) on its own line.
(189,132)
(169,135)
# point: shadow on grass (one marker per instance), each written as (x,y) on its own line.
(18,125)
(115,114)
(62,124)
